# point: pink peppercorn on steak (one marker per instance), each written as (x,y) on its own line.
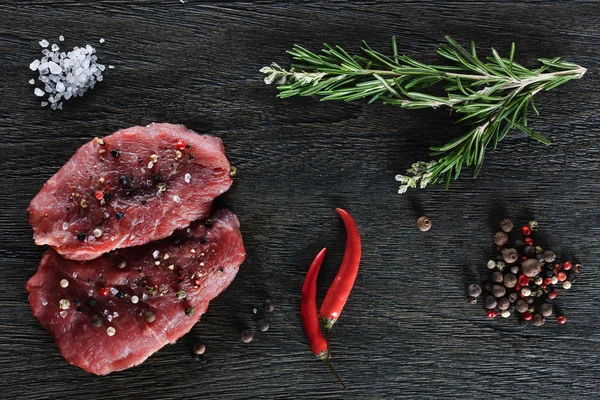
(130,188)
(113,312)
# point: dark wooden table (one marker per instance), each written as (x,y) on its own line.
(407,330)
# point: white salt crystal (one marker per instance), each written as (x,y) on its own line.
(111,66)
(115,314)
(55,47)
(63,314)
(90,292)
(101,40)
(65,226)
(44,103)
(75,275)
(150,165)
(113,290)
(44,301)
(31,81)
(54,68)
(34,65)
(187,178)
(109,318)
(38,92)
(44,43)
(144,297)
(60,87)
(176,199)
(61,38)
(155,254)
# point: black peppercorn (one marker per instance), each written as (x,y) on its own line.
(546,309)
(91,302)
(269,306)
(97,320)
(500,238)
(506,225)
(424,224)
(262,325)
(510,255)
(81,236)
(472,300)
(199,349)
(474,290)
(510,280)
(497,277)
(498,291)
(549,256)
(120,294)
(115,153)
(119,215)
(529,251)
(246,336)
(490,302)
(503,303)
(208,223)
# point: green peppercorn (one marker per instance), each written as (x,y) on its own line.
(189,311)
(505,314)
(500,238)
(510,280)
(472,300)
(512,297)
(533,225)
(474,290)
(490,302)
(180,295)
(506,225)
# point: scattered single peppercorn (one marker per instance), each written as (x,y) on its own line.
(246,336)
(546,309)
(492,313)
(149,317)
(526,230)
(567,266)
(538,320)
(561,319)
(103,291)
(81,236)
(474,290)
(199,349)
(528,241)
(119,215)
(189,311)
(262,325)
(566,285)
(115,153)
(269,306)
(424,224)
(208,223)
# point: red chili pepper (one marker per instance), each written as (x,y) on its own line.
(180,145)
(310,316)
(338,292)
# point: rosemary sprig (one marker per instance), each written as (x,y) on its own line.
(493,95)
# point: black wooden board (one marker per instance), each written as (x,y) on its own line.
(407,330)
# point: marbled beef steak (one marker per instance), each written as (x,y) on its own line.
(130,188)
(113,312)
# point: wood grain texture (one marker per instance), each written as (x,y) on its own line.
(406,331)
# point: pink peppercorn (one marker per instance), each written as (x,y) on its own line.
(492,313)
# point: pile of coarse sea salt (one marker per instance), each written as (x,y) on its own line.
(66,74)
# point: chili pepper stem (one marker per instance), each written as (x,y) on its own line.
(325,359)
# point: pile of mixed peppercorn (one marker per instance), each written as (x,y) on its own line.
(523,278)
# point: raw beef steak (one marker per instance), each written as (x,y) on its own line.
(130,188)
(113,312)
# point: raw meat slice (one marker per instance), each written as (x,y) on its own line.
(97,311)
(130,188)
